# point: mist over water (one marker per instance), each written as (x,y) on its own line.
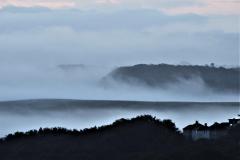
(84,82)
(102,40)
(36,82)
(66,53)
(72,114)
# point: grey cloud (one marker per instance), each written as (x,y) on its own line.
(65,45)
(14,9)
(15,19)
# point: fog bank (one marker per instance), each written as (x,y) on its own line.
(72,114)
(84,82)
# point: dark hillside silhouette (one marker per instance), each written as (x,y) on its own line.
(140,138)
(163,75)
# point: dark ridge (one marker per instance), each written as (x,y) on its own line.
(42,105)
(141,138)
(102,103)
(162,75)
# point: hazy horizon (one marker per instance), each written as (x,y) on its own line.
(54,54)
(27,115)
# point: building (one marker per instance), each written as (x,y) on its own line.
(196,131)
(234,121)
(218,130)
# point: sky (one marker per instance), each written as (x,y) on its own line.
(38,35)
(170,6)
(125,31)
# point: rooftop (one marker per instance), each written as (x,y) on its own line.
(196,126)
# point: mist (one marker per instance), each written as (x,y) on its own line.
(53,82)
(27,115)
(35,40)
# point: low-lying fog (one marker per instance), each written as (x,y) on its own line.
(83,82)
(30,51)
(26,115)
(35,41)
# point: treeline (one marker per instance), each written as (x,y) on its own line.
(167,124)
(140,138)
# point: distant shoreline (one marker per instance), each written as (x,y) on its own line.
(130,101)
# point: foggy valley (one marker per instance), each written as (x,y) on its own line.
(85,65)
(82,82)
(96,83)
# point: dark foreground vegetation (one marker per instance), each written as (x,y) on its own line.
(141,138)
(164,75)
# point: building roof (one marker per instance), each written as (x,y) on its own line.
(234,121)
(215,126)
(196,126)
(219,126)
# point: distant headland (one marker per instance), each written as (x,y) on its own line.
(218,79)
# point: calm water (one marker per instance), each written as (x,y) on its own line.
(33,114)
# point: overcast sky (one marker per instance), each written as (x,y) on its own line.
(36,34)
(122,31)
(171,6)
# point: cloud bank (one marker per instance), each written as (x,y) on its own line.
(38,35)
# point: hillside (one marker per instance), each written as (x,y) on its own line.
(164,75)
(140,138)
